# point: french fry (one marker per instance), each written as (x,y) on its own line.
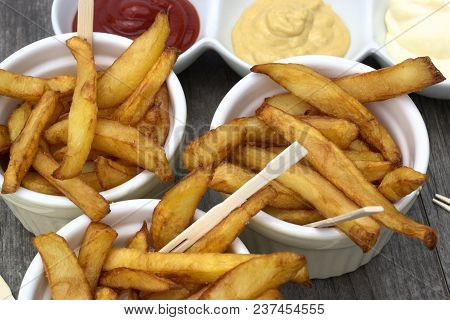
(35,182)
(329,98)
(219,238)
(25,146)
(83,196)
(403,78)
(171,216)
(32,88)
(401,182)
(339,170)
(292,104)
(97,241)
(260,133)
(136,105)
(363,155)
(120,141)
(83,111)
(123,278)
(358,145)
(254,277)
(173,294)
(228,178)
(105,113)
(90,178)
(65,276)
(124,75)
(141,240)
(272,294)
(373,170)
(156,122)
(198,294)
(5,141)
(326,198)
(59,153)
(104,293)
(296,216)
(111,174)
(17,119)
(341,132)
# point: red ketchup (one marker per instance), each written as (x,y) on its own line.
(131,18)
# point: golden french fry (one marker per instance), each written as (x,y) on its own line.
(332,163)
(135,107)
(111,174)
(213,146)
(25,146)
(403,78)
(35,182)
(156,122)
(219,238)
(123,77)
(292,104)
(329,98)
(124,278)
(5,141)
(373,170)
(251,279)
(65,276)
(173,294)
(272,294)
(260,133)
(358,145)
(363,155)
(17,120)
(59,153)
(141,240)
(83,111)
(87,199)
(295,216)
(325,197)
(120,141)
(32,88)
(228,178)
(401,182)
(90,178)
(171,216)
(103,293)
(97,241)
(341,132)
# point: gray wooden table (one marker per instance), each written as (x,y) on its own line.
(403,270)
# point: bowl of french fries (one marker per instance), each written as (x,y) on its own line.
(367,146)
(81,128)
(115,259)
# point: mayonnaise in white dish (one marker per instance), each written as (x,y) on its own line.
(419,28)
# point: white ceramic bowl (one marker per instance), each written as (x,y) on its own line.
(329,252)
(126,218)
(40,213)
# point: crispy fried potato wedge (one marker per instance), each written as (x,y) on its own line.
(373,170)
(332,163)
(123,278)
(403,78)
(228,178)
(90,178)
(171,216)
(173,294)
(260,133)
(25,146)
(5,141)
(35,182)
(329,98)
(272,294)
(59,153)
(124,75)
(156,122)
(120,141)
(111,174)
(325,197)
(358,145)
(363,155)
(32,88)
(213,146)
(83,111)
(254,277)
(135,107)
(17,119)
(83,196)
(296,216)
(292,104)
(141,240)
(341,132)
(401,182)
(219,238)
(97,241)
(65,276)
(104,293)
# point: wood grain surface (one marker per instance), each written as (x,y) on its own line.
(403,270)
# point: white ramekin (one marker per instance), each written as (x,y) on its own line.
(126,218)
(40,213)
(329,252)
